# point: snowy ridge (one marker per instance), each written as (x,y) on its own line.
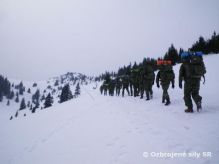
(53,86)
(94,129)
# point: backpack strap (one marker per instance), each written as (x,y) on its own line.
(204,79)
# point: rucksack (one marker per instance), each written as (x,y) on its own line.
(167,74)
(197,67)
(197,70)
(149,73)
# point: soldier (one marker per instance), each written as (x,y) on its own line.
(118,85)
(191,71)
(165,75)
(112,85)
(148,79)
(134,84)
(141,81)
(125,84)
(101,89)
(105,88)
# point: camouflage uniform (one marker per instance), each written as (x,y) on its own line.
(105,88)
(134,82)
(191,86)
(118,85)
(165,77)
(112,85)
(125,84)
(101,89)
(148,81)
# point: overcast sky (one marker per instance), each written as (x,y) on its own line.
(44,38)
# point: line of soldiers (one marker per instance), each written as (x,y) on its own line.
(141,79)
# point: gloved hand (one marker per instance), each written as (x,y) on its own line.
(158,86)
(180,85)
(173,85)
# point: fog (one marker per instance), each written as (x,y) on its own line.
(45,38)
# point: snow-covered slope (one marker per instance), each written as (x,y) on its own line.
(95,129)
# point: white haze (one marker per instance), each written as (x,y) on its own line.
(44,38)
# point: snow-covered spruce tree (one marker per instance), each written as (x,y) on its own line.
(56,83)
(77,90)
(11,96)
(1,96)
(48,102)
(16,114)
(28,91)
(36,98)
(42,97)
(28,104)
(5,87)
(23,104)
(66,94)
(8,103)
(17,98)
(21,88)
(34,84)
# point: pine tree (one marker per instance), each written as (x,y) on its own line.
(48,101)
(21,88)
(172,55)
(28,104)
(16,114)
(66,94)
(11,95)
(56,83)
(8,103)
(17,98)
(77,90)
(36,98)
(34,84)
(23,104)
(31,107)
(1,97)
(42,98)
(5,87)
(28,91)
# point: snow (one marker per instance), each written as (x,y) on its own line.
(96,129)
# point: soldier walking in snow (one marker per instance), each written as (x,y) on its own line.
(191,71)
(148,79)
(165,76)
(118,85)
(125,84)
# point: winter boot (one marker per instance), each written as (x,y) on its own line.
(163,100)
(189,110)
(147,98)
(199,106)
(167,102)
